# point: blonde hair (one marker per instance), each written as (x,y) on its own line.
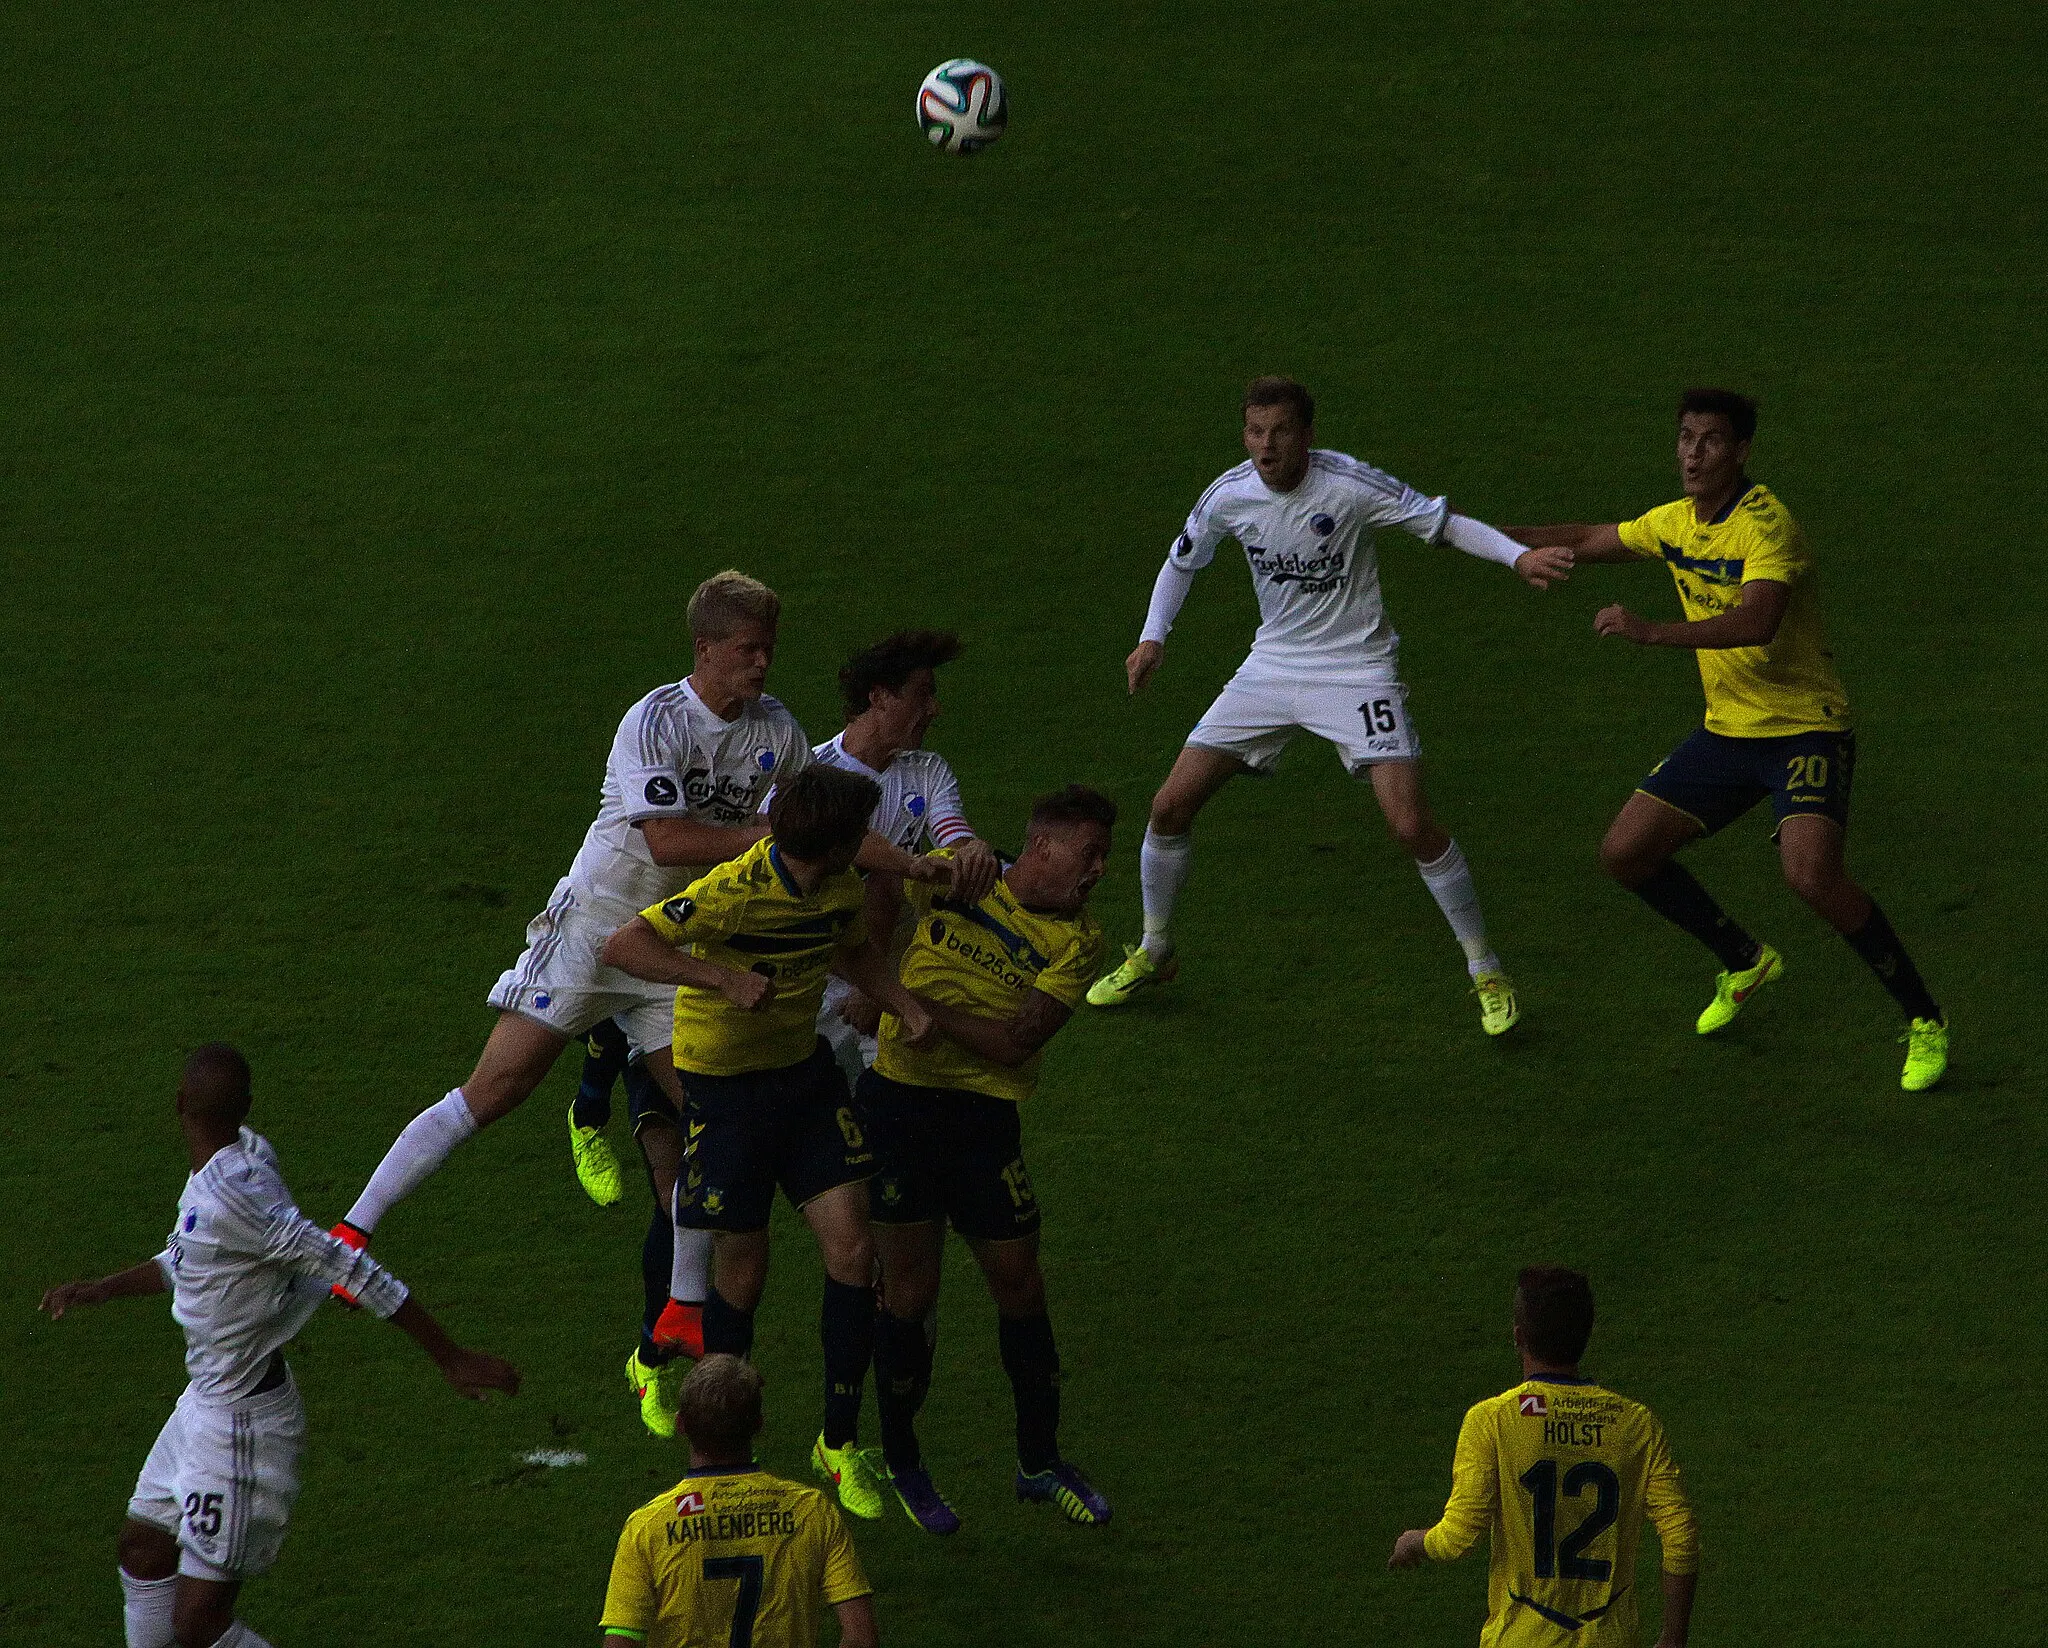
(728,599)
(720,1410)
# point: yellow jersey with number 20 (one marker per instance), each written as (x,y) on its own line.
(731,1556)
(1561,1473)
(1774,691)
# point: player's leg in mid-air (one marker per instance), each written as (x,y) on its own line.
(606,1058)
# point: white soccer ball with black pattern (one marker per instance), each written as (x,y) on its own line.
(961,107)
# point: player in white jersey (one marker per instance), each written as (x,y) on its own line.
(689,768)
(892,697)
(245,1269)
(1325,661)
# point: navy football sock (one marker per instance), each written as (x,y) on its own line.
(846,1324)
(657,1254)
(1033,1364)
(728,1330)
(604,1057)
(903,1378)
(1676,895)
(1879,946)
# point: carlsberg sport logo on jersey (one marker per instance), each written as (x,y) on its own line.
(962,107)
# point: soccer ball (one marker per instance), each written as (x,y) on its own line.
(961,106)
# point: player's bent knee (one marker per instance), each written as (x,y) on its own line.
(146,1551)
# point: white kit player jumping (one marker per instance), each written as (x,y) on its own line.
(891,695)
(689,769)
(245,1270)
(1324,661)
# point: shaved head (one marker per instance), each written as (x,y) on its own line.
(215,1085)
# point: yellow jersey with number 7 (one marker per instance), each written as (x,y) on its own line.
(1561,1474)
(1788,686)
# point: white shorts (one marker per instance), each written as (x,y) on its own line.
(558,980)
(1256,714)
(222,1481)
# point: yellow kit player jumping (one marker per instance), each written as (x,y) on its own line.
(764,1101)
(730,1553)
(998,976)
(1777,720)
(1561,1474)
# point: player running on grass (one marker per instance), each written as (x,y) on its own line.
(1325,660)
(891,694)
(245,1270)
(1560,1475)
(746,950)
(1777,721)
(999,977)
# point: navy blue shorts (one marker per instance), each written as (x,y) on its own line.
(945,1154)
(746,1134)
(1715,779)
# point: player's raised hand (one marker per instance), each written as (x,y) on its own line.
(975,868)
(69,1294)
(1540,568)
(1618,620)
(1143,663)
(749,992)
(1408,1550)
(472,1372)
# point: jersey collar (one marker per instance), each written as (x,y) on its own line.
(722,1470)
(1558,1379)
(1743,491)
(782,872)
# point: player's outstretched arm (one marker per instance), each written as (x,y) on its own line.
(132,1283)
(1538,567)
(472,1372)
(673,841)
(1587,542)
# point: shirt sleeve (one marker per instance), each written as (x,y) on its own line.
(652,757)
(1777,551)
(1475,1491)
(257,1212)
(1384,501)
(629,1600)
(1639,537)
(843,1577)
(1665,1504)
(706,909)
(1072,970)
(942,809)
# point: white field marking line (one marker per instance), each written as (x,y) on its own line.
(554,1458)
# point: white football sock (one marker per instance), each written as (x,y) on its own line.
(414,1157)
(689,1272)
(239,1635)
(147,1608)
(1162,871)
(1449,881)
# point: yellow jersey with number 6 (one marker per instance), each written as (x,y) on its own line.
(1789,686)
(731,1556)
(1561,1474)
(750,915)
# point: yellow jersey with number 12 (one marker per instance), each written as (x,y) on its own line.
(1774,691)
(731,1556)
(1561,1474)
(984,959)
(750,915)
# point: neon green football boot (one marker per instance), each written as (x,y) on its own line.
(849,1470)
(1498,1009)
(1926,1054)
(660,1390)
(1137,970)
(1733,990)
(597,1165)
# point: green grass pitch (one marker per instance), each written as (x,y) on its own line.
(381,378)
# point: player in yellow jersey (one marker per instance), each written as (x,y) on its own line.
(1777,720)
(764,1101)
(731,1554)
(1561,1474)
(999,977)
